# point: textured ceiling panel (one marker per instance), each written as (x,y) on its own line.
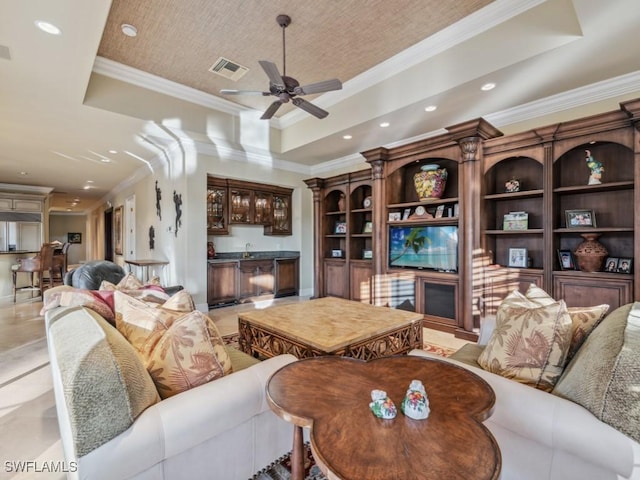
(180,41)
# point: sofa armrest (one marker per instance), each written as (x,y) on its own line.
(557,423)
(179,423)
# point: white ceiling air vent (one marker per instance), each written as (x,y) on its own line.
(4,52)
(228,69)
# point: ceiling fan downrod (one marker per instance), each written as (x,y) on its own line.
(284,21)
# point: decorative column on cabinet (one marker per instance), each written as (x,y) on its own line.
(316,185)
(469,136)
(632,108)
(377,159)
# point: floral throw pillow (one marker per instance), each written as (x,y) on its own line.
(530,342)
(180,349)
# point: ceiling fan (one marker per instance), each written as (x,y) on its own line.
(288,88)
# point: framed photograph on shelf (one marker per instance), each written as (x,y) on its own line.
(341,227)
(394,216)
(565,257)
(517,257)
(611,265)
(439,211)
(74,237)
(368,227)
(405,215)
(515,221)
(367,254)
(337,253)
(624,265)
(580,218)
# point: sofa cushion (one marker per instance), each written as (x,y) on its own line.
(181,350)
(583,319)
(530,341)
(106,384)
(604,374)
(150,292)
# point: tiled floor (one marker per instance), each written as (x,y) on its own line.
(28,424)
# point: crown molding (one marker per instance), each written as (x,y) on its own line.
(578,97)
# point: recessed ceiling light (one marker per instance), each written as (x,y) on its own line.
(129,30)
(105,160)
(347,137)
(488,86)
(48,27)
(113,152)
(23,174)
(385,124)
(430,108)
(90,181)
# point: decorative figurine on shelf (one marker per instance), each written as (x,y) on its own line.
(382,406)
(596,169)
(158,197)
(177,199)
(342,203)
(415,403)
(512,185)
(211,251)
(152,236)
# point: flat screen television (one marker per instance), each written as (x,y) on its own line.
(433,247)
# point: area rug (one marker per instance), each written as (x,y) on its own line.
(281,468)
(232,341)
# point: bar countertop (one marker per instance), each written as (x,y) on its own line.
(223,257)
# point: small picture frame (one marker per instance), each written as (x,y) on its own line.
(405,215)
(341,227)
(368,227)
(624,265)
(611,264)
(367,254)
(515,221)
(580,218)
(74,237)
(565,258)
(337,253)
(439,211)
(518,257)
(456,210)
(394,216)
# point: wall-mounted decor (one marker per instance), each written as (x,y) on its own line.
(177,199)
(74,237)
(117,230)
(152,236)
(158,198)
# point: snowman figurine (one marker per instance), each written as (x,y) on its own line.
(416,404)
(382,406)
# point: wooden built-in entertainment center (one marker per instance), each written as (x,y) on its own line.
(353,214)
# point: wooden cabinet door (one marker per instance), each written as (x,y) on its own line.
(580,289)
(336,278)
(256,278)
(360,281)
(222,283)
(287,276)
(280,215)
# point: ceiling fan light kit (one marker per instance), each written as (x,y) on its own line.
(287,88)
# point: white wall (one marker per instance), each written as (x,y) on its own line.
(60,224)
(184,171)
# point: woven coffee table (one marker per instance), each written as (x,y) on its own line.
(329,326)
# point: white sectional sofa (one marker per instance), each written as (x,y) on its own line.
(544,436)
(222,430)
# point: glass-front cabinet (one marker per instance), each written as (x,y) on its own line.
(238,202)
(217,221)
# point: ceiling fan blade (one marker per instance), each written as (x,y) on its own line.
(310,108)
(244,92)
(269,112)
(272,72)
(326,86)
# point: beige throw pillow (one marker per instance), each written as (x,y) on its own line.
(181,350)
(530,342)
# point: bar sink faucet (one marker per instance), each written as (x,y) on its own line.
(246,254)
